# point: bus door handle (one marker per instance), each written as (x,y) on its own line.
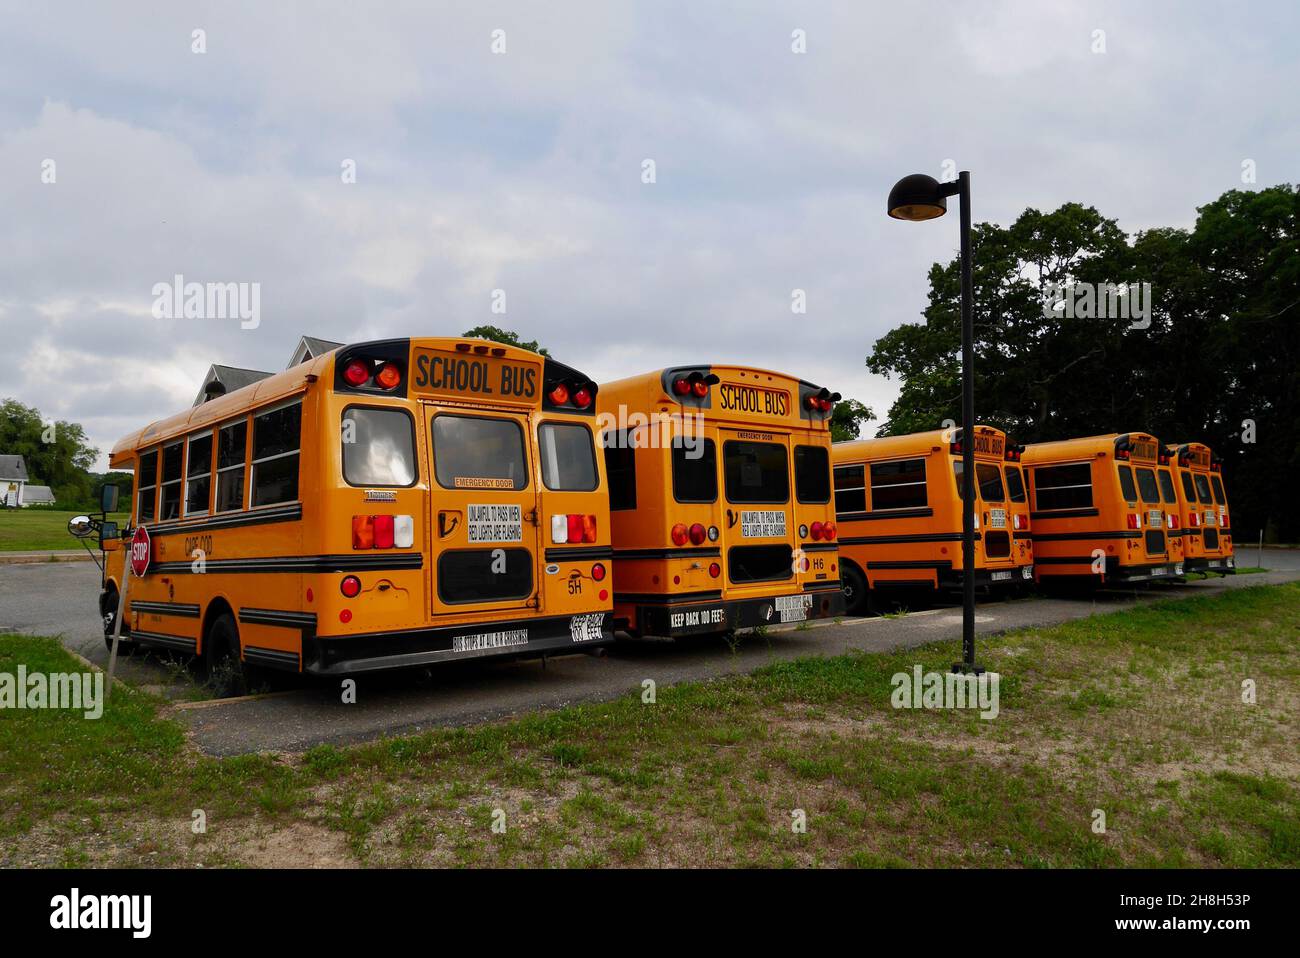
(731,518)
(446,528)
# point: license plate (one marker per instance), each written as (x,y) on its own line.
(1001,575)
(1209,517)
(1027,572)
(1154,519)
(997,518)
(586,627)
(793,608)
(1160,571)
(1215,563)
(1230,564)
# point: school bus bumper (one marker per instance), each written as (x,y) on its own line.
(950,578)
(1224,565)
(679,615)
(554,635)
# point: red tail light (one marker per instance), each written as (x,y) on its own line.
(828,531)
(363,532)
(383,532)
(715,570)
(560,394)
(679,534)
(350,586)
(681,386)
(598,572)
(588,528)
(388,377)
(575,528)
(698,534)
(1016,520)
(1173,521)
(357,373)
(582,397)
(816,531)
(1134,521)
(700,388)
(1194,519)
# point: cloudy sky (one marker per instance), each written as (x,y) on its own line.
(522,170)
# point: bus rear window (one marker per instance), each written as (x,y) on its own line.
(812,474)
(1147,485)
(1015,484)
(898,485)
(987,476)
(473,452)
(1202,488)
(850,489)
(1062,487)
(1166,487)
(1126,486)
(1189,492)
(378,447)
(1219,497)
(695,470)
(756,471)
(620,471)
(568,456)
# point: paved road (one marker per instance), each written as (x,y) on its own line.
(59,600)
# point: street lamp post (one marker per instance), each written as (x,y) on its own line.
(920,197)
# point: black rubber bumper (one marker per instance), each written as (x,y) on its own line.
(555,635)
(1226,565)
(985,578)
(672,619)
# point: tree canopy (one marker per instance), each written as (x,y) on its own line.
(510,338)
(57,454)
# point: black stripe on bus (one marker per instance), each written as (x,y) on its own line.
(704,552)
(278,658)
(291,620)
(1065,560)
(180,609)
(1023,535)
(667,598)
(1065,514)
(914,537)
(909,564)
(915,513)
(819,546)
(822,586)
(579,553)
(289,513)
(367,562)
(179,642)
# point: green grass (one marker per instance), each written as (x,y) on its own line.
(32,530)
(1138,713)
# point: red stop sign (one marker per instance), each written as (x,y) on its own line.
(141,551)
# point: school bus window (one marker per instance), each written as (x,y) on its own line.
(756,471)
(1062,487)
(850,489)
(987,476)
(1015,484)
(812,474)
(1126,486)
(568,457)
(1189,492)
(1166,487)
(378,447)
(898,485)
(759,563)
(198,475)
(1219,498)
(232,441)
(276,436)
(147,478)
(476,452)
(173,459)
(476,575)
(620,471)
(1202,488)
(695,470)
(1147,485)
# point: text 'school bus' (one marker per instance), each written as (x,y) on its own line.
(386,504)
(1097,509)
(899,511)
(1207,531)
(720,500)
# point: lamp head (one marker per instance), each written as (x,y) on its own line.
(917,197)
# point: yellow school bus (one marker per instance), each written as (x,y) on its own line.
(1097,511)
(1175,531)
(1203,506)
(720,499)
(393,503)
(899,511)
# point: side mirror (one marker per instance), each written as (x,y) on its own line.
(80,526)
(108,497)
(108,531)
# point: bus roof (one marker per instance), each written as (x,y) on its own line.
(1088,446)
(296,379)
(912,444)
(734,392)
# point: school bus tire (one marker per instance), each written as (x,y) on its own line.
(857,600)
(223,664)
(107,614)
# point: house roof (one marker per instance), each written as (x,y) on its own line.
(13,467)
(232,377)
(309,347)
(33,494)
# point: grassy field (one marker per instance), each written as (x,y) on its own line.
(1138,714)
(30,530)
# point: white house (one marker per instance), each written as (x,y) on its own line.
(16,489)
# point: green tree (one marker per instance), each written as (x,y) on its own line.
(498,335)
(58,454)
(847,419)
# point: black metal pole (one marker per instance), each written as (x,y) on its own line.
(968,432)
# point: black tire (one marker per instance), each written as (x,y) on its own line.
(854,585)
(108,615)
(223,666)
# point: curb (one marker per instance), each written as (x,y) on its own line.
(22,558)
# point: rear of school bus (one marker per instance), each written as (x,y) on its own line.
(1097,511)
(389,504)
(720,499)
(899,512)
(1204,508)
(1175,527)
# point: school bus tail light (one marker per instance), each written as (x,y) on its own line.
(350,586)
(679,534)
(1134,520)
(682,386)
(698,534)
(582,397)
(573,528)
(815,530)
(560,394)
(403,531)
(363,532)
(383,526)
(560,529)
(598,572)
(588,528)
(1194,520)
(1018,521)
(388,377)
(357,373)
(383,532)
(1173,520)
(715,570)
(828,531)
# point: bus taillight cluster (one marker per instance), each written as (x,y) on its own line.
(360,372)
(694,533)
(573,528)
(822,530)
(383,532)
(579,396)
